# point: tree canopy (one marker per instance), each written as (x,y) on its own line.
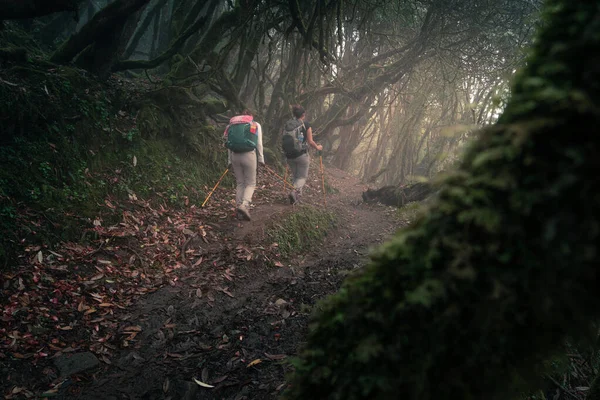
(403,83)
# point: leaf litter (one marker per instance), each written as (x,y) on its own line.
(76,296)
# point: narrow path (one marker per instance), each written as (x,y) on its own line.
(237,339)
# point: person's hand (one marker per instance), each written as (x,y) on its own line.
(319,147)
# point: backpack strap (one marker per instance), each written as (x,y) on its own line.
(241,119)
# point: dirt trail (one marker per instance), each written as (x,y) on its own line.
(240,341)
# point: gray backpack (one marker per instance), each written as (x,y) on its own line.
(293,142)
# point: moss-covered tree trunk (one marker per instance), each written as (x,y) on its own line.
(398,196)
(470,300)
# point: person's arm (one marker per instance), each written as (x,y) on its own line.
(259,145)
(310,141)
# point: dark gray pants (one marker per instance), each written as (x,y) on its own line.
(299,170)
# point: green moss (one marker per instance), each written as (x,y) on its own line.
(479,293)
(301,230)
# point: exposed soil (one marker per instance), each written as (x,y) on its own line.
(238,334)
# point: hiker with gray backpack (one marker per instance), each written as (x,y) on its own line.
(296,138)
(243,139)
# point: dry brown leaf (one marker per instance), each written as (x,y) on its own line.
(219,379)
(275,356)
(65,328)
(133,328)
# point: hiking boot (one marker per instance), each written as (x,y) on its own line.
(293,196)
(243,212)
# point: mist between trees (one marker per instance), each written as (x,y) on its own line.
(394,89)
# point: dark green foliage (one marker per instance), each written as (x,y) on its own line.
(471,300)
(67,142)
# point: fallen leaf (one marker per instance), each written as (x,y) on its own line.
(275,356)
(198,262)
(219,379)
(206,385)
(65,328)
(257,361)
(278,264)
(134,328)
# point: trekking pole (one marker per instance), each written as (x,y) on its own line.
(213,189)
(322,177)
(279,176)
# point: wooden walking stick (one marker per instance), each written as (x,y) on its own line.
(322,177)
(280,177)
(213,189)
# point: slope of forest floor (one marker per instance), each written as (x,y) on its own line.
(168,296)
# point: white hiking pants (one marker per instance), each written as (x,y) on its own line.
(299,168)
(244,168)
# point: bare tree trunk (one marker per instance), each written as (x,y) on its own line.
(139,33)
(104,33)
(171,51)
(155,35)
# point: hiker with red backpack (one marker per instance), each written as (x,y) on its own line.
(297,137)
(243,139)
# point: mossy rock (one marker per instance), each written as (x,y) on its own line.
(473,298)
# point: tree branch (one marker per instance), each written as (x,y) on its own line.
(171,51)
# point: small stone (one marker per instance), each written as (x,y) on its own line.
(71,364)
